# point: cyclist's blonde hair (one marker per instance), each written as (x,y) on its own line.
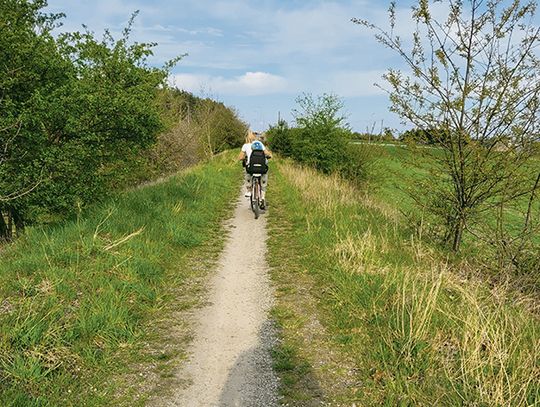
(250,137)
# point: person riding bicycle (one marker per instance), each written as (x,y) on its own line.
(251,143)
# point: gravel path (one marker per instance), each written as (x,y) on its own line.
(230,364)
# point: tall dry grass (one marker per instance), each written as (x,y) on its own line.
(325,193)
(498,348)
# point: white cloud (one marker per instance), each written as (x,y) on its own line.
(209,31)
(308,36)
(268,51)
(357,83)
(250,83)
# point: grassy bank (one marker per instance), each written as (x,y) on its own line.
(391,322)
(399,168)
(78,299)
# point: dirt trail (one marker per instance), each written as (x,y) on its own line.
(230,364)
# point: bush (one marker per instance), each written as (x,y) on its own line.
(357,163)
(279,138)
(196,129)
(321,148)
(74,109)
(323,134)
(321,140)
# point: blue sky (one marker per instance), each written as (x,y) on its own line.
(257,56)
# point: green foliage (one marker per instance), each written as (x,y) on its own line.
(31,70)
(72,109)
(358,163)
(422,136)
(195,129)
(322,139)
(219,127)
(323,135)
(321,148)
(386,137)
(76,294)
(279,138)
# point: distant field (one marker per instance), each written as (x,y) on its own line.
(398,168)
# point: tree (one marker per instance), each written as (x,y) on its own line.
(474,76)
(323,134)
(30,67)
(387,134)
(323,111)
(279,138)
(195,129)
(424,136)
(218,127)
(72,109)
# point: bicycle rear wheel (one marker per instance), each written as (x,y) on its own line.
(255,196)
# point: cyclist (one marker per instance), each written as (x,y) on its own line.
(251,143)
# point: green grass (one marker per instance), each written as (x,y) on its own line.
(399,168)
(75,296)
(404,326)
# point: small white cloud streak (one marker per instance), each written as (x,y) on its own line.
(357,83)
(248,84)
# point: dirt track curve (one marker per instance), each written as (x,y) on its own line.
(230,362)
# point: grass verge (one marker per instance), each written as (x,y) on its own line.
(400,325)
(79,300)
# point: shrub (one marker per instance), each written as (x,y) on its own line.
(73,109)
(322,138)
(321,148)
(279,138)
(357,163)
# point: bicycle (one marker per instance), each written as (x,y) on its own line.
(255,199)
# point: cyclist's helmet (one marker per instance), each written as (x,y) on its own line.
(257,145)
